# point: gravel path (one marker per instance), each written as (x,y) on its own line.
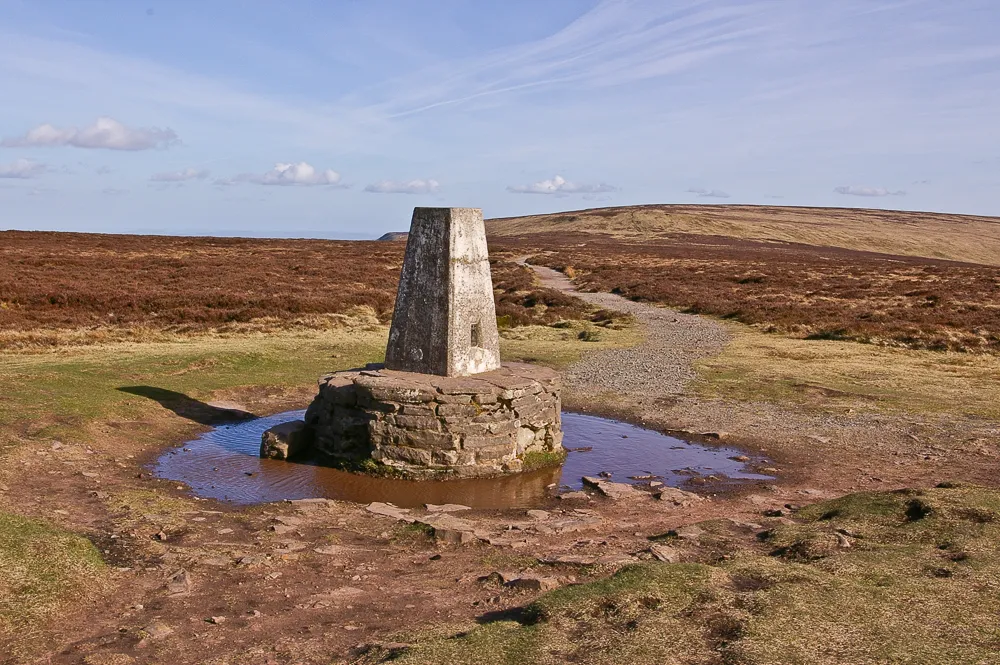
(660,366)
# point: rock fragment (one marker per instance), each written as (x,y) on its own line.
(664,553)
(178,583)
(157,630)
(614,491)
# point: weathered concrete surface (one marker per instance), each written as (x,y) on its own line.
(286,440)
(444,321)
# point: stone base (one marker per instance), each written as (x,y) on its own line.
(425,424)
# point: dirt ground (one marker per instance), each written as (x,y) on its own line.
(200,581)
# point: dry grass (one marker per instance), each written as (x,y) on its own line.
(833,374)
(560,347)
(893,577)
(933,235)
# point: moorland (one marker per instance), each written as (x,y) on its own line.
(856,350)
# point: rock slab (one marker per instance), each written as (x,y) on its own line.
(285,441)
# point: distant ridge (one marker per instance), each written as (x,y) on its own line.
(395,235)
(932,235)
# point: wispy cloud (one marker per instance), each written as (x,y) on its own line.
(302,173)
(855,190)
(105,132)
(22,169)
(708,193)
(417,186)
(113,191)
(179,176)
(560,186)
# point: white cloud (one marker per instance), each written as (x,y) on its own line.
(105,133)
(417,186)
(854,190)
(289,174)
(179,176)
(22,169)
(559,186)
(709,193)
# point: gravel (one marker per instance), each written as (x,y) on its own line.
(659,367)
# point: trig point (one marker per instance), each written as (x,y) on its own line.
(442,404)
(445,321)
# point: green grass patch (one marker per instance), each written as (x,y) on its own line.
(41,567)
(61,391)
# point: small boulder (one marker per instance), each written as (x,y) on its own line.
(286,440)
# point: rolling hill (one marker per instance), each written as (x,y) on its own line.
(933,235)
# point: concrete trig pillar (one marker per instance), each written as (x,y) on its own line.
(445,319)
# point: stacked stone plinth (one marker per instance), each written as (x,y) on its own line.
(423,423)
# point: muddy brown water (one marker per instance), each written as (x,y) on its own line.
(224,464)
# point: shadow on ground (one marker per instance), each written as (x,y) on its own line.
(188,407)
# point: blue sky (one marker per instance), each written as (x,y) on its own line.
(335,118)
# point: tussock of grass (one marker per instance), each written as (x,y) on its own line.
(911,578)
(41,567)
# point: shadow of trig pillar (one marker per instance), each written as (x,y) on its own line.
(445,319)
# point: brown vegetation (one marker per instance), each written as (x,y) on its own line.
(90,282)
(933,235)
(805,291)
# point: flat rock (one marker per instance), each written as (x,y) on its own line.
(568,525)
(330,549)
(571,559)
(574,496)
(664,553)
(614,491)
(690,532)
(450,529)
(389,510)
(539,514)
(446,508)
(288,520)
(615,559)
(677,497)
(178,583)
(157,630)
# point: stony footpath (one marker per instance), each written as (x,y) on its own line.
(659,367)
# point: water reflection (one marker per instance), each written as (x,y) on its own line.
(224,464)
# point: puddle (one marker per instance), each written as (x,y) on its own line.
(224,464)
